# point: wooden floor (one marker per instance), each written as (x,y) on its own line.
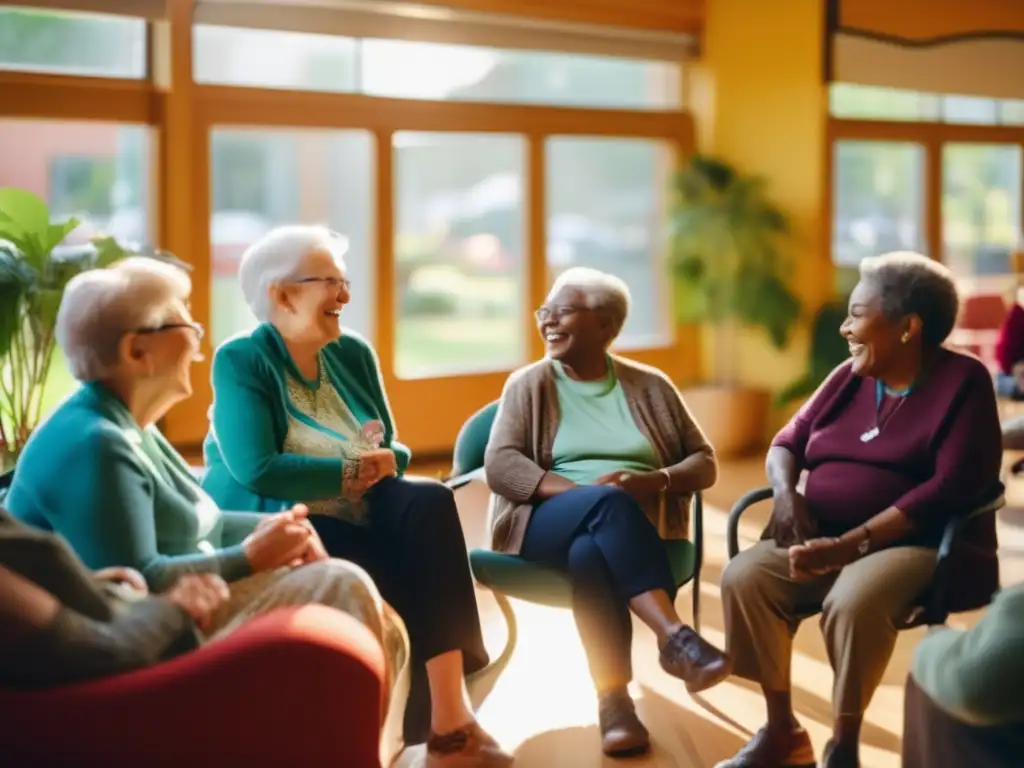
(544,709)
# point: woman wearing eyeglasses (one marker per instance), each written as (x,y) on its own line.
(300,415)
(594,460)
(100,474)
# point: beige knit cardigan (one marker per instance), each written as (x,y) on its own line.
(519,452)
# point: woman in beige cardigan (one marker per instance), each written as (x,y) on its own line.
(585,448)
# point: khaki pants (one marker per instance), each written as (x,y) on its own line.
(860,608)
(346,587)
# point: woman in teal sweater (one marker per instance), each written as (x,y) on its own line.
(100,474)
(300,415)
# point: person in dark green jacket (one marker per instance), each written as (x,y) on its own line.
(99,473)
(300,415)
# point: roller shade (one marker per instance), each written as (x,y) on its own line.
(939,46)
(145,9)
(437,24)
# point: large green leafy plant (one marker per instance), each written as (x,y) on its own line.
(33,274)
(731,255)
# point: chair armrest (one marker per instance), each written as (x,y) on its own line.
(298,686)
(458,481)
(732,525)
(698,530)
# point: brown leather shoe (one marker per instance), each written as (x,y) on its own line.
(766,750)
(694,660)
(622,733)
(468,747)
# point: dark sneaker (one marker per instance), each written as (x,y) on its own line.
(622,733)
(838,755)
(694,660)
(765,750)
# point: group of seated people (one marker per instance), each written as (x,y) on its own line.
(592,462)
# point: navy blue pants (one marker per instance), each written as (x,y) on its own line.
(601,538)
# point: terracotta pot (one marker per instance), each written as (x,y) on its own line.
(734,418)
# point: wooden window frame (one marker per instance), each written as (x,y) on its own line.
(183,117)
(931,136)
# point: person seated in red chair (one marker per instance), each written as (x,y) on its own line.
(1010,376)
(100,474)
(896,441)
(593,461)
(61,623)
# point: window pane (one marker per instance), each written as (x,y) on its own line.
(878,188)
(261,58)
(98,172)
(606,209)
(970,110)
(459,236)
(72,43)
(981,188)
(1012,112)
(261,179)
(412,70)
(870,103)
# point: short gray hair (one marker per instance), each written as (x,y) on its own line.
(604,292)
(101,305)
(277,257)
(912,284)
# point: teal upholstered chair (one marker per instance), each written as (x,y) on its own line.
(510,576)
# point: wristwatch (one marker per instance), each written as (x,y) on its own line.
(865,544)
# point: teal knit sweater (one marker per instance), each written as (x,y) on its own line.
(246,468)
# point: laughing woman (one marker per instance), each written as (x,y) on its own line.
(593,460)
(898,440)
(300,415)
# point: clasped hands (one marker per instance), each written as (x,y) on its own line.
(809,554)
(639,485)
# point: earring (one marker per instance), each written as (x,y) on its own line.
(905,338)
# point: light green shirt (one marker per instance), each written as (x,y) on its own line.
(596,431)
(977,675)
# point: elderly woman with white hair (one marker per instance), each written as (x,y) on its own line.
(100,474)
(300,415)
(585,449)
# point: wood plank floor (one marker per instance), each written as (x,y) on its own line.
(544,709)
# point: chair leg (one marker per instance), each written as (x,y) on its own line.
(481,683)
(695,586)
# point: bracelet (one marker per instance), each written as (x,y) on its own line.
(668,479)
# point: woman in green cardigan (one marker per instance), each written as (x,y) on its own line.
(300,415)
(99,473)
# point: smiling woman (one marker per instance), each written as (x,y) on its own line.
(899,439)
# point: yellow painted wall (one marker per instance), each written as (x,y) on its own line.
(761,104)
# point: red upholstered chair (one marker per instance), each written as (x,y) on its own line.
(296,687)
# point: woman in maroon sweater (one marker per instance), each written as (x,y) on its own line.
(900,438)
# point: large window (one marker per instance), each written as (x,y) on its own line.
(878,190)
(97,172)
(459,253)
(261,179)
(414,70)
(981,205)
(606,208)
(72,43)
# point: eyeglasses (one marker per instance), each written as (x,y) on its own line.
(334,283)
(196,327)
(557,312)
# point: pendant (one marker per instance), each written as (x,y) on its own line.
(870,435)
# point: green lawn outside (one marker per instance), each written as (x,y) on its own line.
(432,346)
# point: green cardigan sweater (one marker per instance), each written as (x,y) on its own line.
(121,495)
(977,675)
(246,468)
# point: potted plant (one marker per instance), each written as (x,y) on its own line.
(731,260)
(34,269)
